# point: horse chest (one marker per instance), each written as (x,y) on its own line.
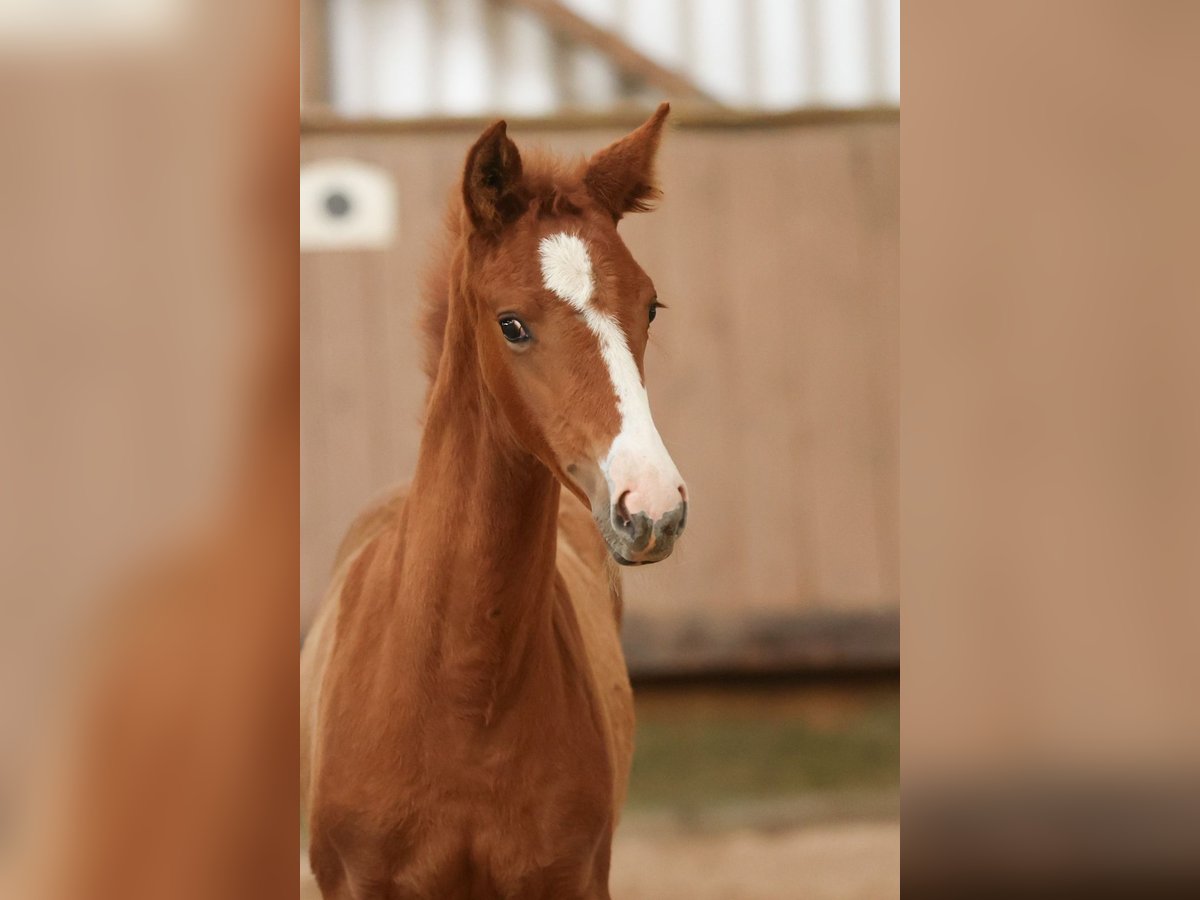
(449,804)
(496,817)
(524,839)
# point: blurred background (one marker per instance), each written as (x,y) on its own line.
(765,652)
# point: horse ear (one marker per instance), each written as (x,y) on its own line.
(492,180)
(621,176)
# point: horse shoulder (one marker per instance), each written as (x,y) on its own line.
(366,528)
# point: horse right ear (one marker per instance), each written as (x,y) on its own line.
(621,176)
(492,181)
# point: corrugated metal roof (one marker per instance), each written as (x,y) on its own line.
(421,58)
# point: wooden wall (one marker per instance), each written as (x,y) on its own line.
(773,378)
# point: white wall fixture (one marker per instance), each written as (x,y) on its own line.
(346,205)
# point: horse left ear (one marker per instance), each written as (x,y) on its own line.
(621,176)
(492,180)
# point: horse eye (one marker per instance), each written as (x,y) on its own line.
(514,330)
(653,310)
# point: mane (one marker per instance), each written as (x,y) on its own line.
(555,188)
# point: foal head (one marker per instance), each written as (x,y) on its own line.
(561,314)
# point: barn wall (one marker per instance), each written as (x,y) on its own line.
(773,378)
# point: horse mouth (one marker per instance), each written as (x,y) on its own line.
(618,549)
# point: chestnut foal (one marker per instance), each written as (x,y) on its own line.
(467,720)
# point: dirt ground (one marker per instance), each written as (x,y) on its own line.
(850,861)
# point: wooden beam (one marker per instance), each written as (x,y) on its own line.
(759,644)
(568,23)
(316,122)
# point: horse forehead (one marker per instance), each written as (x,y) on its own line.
(567,270)
(585,267)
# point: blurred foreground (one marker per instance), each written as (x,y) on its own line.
(148,390)
(1050,503)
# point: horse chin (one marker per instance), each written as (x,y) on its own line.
(643,561)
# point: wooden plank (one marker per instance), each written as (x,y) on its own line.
(768,328)
(575,27)
(342,351)
(840,323)
(423,173)
(692,377)
(879,205)
(344,397)
(314,493)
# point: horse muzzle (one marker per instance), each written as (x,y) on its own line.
(640,537)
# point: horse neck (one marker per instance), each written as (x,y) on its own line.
(479,538)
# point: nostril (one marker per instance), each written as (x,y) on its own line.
(621,517)
(622,510)
(675,520)
(683,493)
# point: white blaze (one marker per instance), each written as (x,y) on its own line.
(637,461)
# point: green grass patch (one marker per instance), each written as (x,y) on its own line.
(739,749)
